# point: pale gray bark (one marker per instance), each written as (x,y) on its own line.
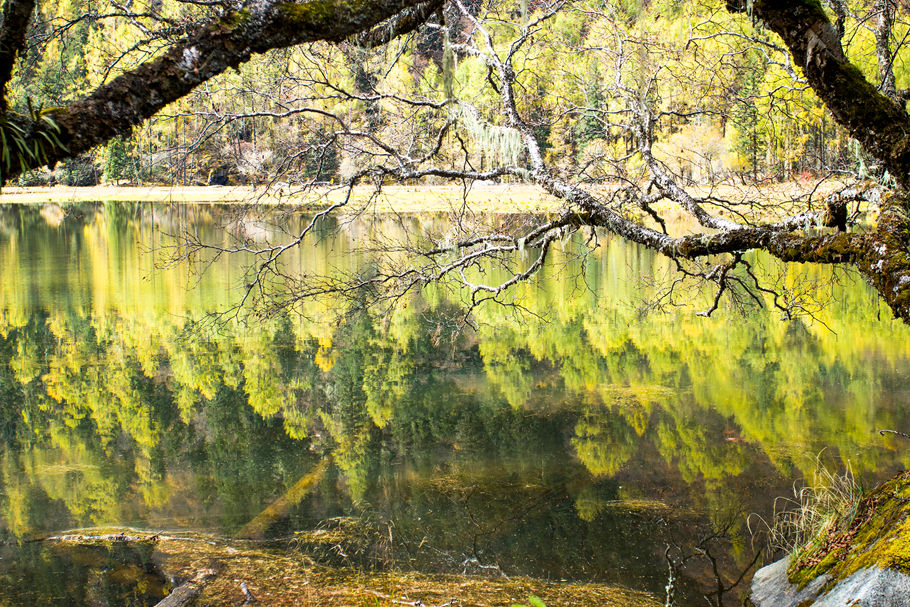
(884,24)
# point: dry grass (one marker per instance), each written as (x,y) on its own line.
(814,510)
(403,199)
(492,198)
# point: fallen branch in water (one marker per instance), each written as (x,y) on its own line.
(78,538)
(246,592)
(900,434)
(280,508)
(186,593)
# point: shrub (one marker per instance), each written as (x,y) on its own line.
(31,179)
(79,171)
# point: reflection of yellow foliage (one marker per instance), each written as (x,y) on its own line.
(603,443)
(17,506)
(588,504)
(155,489)
(25,365)
(325,357)
(74,477)
(707,394)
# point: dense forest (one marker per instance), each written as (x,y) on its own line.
(733,105)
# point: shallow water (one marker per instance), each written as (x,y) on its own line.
(577,449)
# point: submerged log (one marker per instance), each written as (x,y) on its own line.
(186,593)
(280,508)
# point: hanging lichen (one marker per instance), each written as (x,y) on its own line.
(448,67)
(448,71)
(502,144)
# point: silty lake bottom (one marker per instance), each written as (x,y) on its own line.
(581,448)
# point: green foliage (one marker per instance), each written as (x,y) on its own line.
(34,178)
(533,601)
(772,127)
(79,171)
(25,141)
(119,160)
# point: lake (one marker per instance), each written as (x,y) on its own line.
(568,436)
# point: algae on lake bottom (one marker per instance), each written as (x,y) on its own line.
(278,575)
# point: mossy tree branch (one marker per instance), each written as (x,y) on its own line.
(403,23)
(116,107)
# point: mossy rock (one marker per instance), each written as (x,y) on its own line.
(861,560)
(875,535)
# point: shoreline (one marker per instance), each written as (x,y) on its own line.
(498,198)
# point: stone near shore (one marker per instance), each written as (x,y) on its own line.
(862,559)
(871,587)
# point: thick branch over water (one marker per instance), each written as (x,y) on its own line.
(116,107)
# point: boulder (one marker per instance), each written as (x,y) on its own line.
(861,559)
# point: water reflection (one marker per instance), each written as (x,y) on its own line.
(120,574)
(573,449)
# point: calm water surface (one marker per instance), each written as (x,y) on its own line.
(576,449)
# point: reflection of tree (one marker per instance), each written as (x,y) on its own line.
(604,443)
(345,416)
(791,388)
(93,429)
(226,421)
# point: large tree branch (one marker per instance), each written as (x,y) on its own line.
(882,256)
(16,17)
(880,124)
(116,107)
(403,23)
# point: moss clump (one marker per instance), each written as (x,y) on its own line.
(877,534)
